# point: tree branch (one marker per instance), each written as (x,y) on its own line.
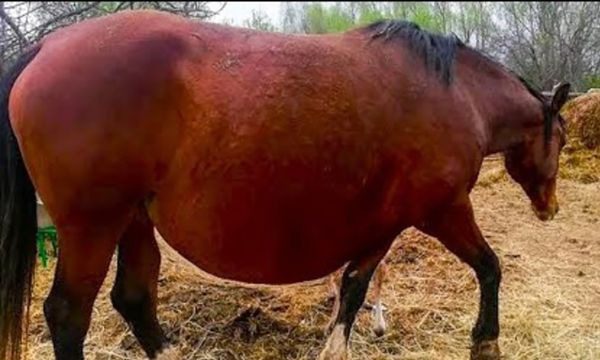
(4,16)
(42,29)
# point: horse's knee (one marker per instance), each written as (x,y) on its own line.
(56,309)
(130,302)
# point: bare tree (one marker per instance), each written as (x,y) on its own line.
(2,36)
(551,41)
(23,23)
(259,21)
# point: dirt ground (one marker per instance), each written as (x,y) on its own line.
(549,298)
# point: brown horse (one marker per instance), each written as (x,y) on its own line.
(262,158)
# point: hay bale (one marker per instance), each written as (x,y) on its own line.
(583,117)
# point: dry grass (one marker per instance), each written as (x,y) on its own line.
(579,163)
(581,157)
(583,119)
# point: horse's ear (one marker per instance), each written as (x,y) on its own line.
(560,97)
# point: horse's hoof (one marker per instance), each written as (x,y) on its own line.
(485,350)
(170,353)
(336,348)
(379,325)
(331,355)
(379,331)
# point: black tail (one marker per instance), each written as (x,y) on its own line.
(18,225)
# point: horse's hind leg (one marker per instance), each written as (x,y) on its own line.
(85,252)
(135,288)
(456,229)
(379,325)
(355,282)
(335,292)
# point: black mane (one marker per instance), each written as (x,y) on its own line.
(438,51)
(544,102)
(545,108)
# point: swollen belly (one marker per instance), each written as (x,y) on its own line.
(255,266)
(263,242)
(259,256)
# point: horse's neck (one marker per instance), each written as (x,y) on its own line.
(504,104)
(502,134)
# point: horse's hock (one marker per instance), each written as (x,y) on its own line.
(583,117)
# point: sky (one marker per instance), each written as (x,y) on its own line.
(242,10)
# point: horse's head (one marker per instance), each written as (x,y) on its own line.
(533,162)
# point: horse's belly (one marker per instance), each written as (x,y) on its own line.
(266,232)
(232,261)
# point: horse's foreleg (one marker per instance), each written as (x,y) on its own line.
(457,230)
(85,252)
(135,289)
(355,282)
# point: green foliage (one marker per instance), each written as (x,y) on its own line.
(370,13)
(109,6)
(338,19)
(322,19)
(592,81)
(424,17)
